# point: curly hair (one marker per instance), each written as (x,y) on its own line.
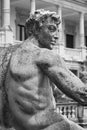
(36,20)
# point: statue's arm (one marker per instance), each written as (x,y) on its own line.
(55,68)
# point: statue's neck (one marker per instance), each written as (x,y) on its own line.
(33,40)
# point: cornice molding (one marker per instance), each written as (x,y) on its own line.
(79,2)
(67,4)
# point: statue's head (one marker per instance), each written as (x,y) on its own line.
(42,25)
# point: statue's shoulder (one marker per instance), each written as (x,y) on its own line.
(26,47)
(46,56)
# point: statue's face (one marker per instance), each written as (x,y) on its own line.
(48,35)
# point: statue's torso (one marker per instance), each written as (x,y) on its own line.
(30,95)
(26,75)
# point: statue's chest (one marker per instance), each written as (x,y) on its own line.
(26,60)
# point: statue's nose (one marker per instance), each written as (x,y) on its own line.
(56,37)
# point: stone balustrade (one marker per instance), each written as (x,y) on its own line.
(74,112)
(17,42)
(68,109)
(73,54)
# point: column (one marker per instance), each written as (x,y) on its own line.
(5,13)
(59,12)
(60,41)
(82,40)
(0,13)
(6,34)
(32,6)
(82,36)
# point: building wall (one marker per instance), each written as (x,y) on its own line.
(13,21)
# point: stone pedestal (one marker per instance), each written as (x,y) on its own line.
(83,50)
(6,33)
(6,36)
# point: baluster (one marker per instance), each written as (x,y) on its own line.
(61,110)
(64,110)
(69,111)
(58,109)
(73,111)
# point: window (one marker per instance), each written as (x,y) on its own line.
(69,41)
(74,72)
(21,32)
(86,41)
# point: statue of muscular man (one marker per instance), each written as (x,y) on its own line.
(27,92)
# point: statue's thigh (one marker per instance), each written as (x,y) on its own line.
(74,126)
(64,125)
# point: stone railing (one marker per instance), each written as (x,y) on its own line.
(73,54)
(68,109)
(6,36)
(17,42)
(74,112)
(2,37)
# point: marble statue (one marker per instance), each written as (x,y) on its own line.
(27,69)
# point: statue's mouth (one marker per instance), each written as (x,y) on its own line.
(53,42)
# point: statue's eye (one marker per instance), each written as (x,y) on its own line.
(52,28)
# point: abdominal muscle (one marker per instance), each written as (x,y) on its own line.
(38,93)
(32,99)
